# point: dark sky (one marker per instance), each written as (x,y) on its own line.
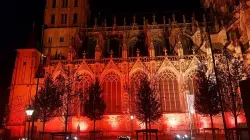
(18,16)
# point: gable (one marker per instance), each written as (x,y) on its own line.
(84,68)
(193,65)
(59,70)
(111,66)
(138,66)
(166,64)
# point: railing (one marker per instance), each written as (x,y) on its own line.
(133,59)
(130,59)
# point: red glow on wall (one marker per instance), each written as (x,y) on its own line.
(231,121)
(174,121)
(54,125)
(84,123)
(113,121)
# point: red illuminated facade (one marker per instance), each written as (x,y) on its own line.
(168,52)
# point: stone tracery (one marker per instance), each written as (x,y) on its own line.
(174,80)
(169,91)
(112,93)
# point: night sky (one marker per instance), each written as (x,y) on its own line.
(18,16)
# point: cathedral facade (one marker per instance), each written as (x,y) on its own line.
(119,55)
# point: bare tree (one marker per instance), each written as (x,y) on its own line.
(6,115)
(69,96)
(230,72)
(94,105)
(48,101)
(207,99)
(148,105)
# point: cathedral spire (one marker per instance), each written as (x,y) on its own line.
(32,42)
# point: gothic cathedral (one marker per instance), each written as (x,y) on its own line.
(119,55)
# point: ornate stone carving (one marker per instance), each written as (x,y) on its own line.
(84,68)
(166,64)
(138,66)
(111,66)
(60,69)
(192,66)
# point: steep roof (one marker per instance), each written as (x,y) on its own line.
(32,42)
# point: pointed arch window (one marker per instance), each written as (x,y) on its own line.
(85,82)
(81,86)
(158,46)
(191,83)
(169,92)
(112,93)
(134,84)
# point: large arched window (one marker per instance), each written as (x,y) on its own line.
(191,83)
(112,93)
(88,45)
(81,86)
(169,92)
(85,82)
(138,42)
(158,46)
(134,85)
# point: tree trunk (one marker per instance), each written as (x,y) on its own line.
(236,126)
(43,130)
(66,124)
(146,123)
(223,117)
(212,125)
(149,128)
(94,128)
(44,117)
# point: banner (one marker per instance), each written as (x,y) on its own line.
(190,102)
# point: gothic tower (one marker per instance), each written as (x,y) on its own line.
(61,19)
(23,85)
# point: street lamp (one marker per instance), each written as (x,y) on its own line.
(131,117)
(29,112)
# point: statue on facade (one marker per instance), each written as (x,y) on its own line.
(97,50)
(237,50)
(71,53)
(179,47)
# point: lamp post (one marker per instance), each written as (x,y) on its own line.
(29,112)
(131,123)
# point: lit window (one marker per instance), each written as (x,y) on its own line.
(61,39)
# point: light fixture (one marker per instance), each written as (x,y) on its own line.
(131,117)
(29,111)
